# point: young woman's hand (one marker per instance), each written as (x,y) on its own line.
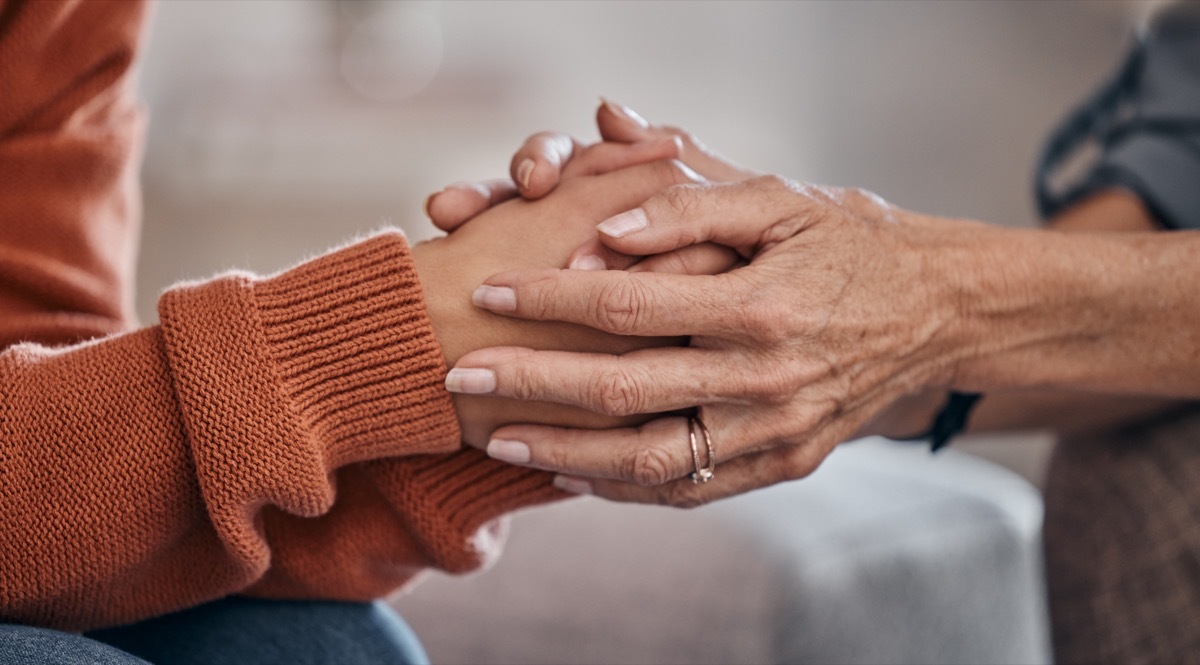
(529,234)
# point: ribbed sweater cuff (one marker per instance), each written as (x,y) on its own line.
(454,497)
(353,347)
(283,379)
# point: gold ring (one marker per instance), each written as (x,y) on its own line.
(702,474)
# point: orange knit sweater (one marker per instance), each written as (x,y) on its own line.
(286,436)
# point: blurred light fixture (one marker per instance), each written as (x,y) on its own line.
(391,50)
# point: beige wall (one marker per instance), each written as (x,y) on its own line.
(260,152)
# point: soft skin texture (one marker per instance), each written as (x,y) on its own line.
(285,435)
(538,234)
(547,158)
(797,350)
(559,158)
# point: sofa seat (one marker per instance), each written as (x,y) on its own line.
(887,554)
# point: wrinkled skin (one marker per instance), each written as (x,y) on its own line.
(789,355)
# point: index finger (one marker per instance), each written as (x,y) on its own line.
(460,202)
(618,302)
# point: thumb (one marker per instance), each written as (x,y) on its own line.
(735,214)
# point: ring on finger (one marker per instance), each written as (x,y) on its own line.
(702,474)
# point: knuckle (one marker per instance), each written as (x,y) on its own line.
(771,182)
(766,321)
(556,456)
(648,467)
(542,299)
(799,463)
(866,202)
(523,385)
(806,420)
(852,198)
(622,306)
(859,196)
(680,199)
(616,393)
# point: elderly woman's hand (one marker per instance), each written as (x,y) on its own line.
(548,158)
(834,318)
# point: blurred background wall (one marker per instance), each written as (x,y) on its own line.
(279,128)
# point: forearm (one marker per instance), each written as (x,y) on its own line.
(1114,211)
(1096,312)
(162,468)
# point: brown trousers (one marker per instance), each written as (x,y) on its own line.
(1123,544)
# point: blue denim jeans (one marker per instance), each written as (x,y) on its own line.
(244,631)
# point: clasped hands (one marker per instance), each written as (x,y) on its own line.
(806,311)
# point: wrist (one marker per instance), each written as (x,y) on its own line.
(445,303)
(954,272)
(456,325)
(1034,309)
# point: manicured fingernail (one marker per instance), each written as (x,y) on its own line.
(525,172)
(495,298)
(573,485)
(471,381)
(513,452)
(623,111)
(623,224)
(588,262)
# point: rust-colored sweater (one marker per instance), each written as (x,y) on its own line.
(286,436)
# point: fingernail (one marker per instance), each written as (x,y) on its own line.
(525,172)
(625,112)
(495,298)
(623,224)
(573,485)
(471,381)
(513,452)
(588,262)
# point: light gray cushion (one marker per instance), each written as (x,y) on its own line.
(885,555)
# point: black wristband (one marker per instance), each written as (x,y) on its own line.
(950,421)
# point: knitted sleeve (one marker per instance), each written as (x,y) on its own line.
(286,436)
